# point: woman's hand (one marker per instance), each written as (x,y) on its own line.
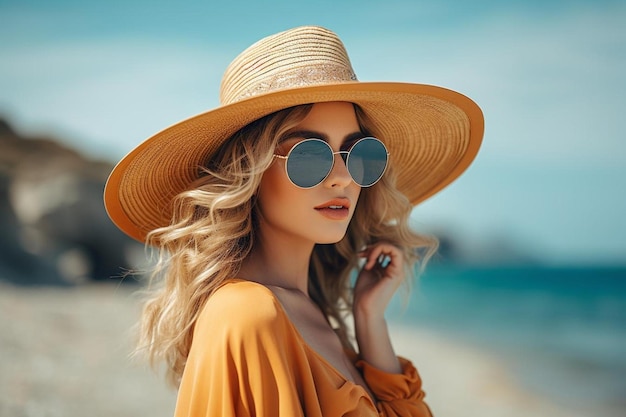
(379,279)
(376,284)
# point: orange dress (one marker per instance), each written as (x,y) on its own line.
(248,359)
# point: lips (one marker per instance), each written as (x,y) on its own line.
(335,204)
(335,209)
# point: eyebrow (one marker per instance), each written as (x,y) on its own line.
(319,135)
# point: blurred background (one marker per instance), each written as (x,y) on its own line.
(532,267)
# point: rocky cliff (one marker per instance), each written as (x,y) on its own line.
(54,228)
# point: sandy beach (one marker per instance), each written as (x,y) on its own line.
(65,352)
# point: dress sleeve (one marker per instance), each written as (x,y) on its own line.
(397,395)
(239,363)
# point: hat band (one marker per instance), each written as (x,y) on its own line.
(301,77)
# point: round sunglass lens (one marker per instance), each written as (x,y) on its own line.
(309,163)
(367,161)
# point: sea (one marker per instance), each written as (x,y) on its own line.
(562,330)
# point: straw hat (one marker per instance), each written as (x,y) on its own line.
(432,133)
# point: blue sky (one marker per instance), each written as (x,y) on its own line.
(549,76)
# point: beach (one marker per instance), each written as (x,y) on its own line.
(65,352)
(463,380)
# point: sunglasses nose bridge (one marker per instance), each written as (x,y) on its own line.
(339,173)
(343,155)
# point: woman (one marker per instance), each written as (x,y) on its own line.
(263,207)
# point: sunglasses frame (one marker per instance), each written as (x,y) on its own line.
(345,161)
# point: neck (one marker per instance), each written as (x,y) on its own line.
(279,260)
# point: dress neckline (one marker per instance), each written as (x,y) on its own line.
(303,342)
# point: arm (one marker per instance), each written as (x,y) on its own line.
(376,285)
(394,381)
(374,342)
(237,365)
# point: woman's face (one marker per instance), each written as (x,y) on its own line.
(320,214)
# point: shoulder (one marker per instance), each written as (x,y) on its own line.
(242,308)
(243,298)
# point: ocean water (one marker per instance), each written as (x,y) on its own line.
(562,330)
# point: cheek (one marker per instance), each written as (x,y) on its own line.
(275,190)
(354,192)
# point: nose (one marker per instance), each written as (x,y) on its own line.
(339,175)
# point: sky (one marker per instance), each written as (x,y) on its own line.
(550,179)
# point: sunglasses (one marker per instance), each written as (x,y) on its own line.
(310,161)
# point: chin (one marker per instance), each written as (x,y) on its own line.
(330,239)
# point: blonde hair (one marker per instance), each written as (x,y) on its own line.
(213,230)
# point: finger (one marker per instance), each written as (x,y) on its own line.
(390,259)
(378,255)
(384,259)
(381,254)
(372,257)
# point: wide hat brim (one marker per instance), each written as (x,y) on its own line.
(432,134)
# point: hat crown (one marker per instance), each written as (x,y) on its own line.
(296,58)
